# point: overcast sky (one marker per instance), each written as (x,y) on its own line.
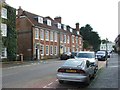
(102,15)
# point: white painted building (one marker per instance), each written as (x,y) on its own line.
(109,46)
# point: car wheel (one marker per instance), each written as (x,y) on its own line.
(96,68)
(61,81)
(88,82)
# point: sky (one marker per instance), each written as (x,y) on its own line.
(102,15)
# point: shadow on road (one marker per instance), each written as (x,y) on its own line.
(73,85)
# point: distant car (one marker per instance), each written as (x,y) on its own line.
(90,56)
(73,54)
(76,71)
(102,55)
(65,56)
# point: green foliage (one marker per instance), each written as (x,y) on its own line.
(104,41)
(85,44)
(90,37)
(11,40)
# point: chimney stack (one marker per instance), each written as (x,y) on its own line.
(58,19)
(77,26)
(20,11)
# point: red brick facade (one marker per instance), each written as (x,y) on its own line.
(43,38)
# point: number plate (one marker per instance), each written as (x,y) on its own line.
(70,70)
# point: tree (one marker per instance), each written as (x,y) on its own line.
(104,41)
(90,37)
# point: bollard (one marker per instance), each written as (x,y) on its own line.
(21,58)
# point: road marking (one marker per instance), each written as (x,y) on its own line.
(17,66)
(56,80)
(21,66)
(45,87)
(50,83)
(112,66)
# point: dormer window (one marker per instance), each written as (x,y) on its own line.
(59,25)
(4,13)
(71,30)
(64,27)
(78,32)
(40,20)
(48,22)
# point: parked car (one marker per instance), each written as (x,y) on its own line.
(102,55)
(76,71)
(65,56)
(90,56)
(73,54)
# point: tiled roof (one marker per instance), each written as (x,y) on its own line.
(32,17)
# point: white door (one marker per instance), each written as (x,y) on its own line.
(38,51)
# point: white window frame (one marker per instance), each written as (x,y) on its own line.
(55,50)
(55,37)
(68,39)
(71,30)
(64,38)
(4,13)
(61,38)
(64,49)
(59,25)
(47,35)
(78,32)
(51,50)
(36,33)
(64,27)
(49,22)
(73,40)
(47,52)
(42,34)
(42,48)
(4,50)
(68,49)
(40,20)
(51,35)
(77,39)
(4,29)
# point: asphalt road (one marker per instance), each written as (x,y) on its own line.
(28,76)
(43,75)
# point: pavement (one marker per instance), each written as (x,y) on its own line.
(18,63)
(108,76)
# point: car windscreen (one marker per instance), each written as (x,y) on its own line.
(101,52)
(85,55)
(73,63)
(74,53)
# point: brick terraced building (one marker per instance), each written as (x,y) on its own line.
(43,37)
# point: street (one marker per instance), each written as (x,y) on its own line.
(43,75)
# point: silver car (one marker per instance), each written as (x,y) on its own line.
(90,56)
(75,70)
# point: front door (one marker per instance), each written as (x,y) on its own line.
(37,54)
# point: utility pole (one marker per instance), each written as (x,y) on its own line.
(106,44)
